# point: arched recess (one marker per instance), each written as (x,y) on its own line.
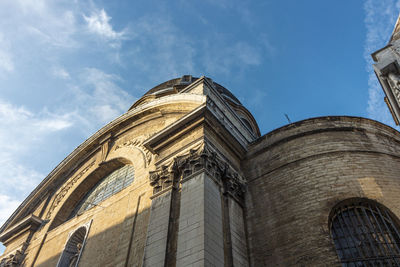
(247,118)
(365,233)
(74,247)
(85,186)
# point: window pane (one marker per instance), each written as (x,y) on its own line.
(108,186)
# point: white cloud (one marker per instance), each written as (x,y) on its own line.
(246,54)
(95,99)
(107,99)
(380,17)
(6,58)
(20,128)
(8,205)
(162,50)
(60,72)
(52,124)
(16,179)
(236,56)
(29,6)
(37,22)
(6,62)
(98,23)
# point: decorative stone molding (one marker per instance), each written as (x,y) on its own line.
(105,146)
(12,259)
(233,184)
(64,190)
(394,82)
(138,144)
(202,158)
(162,178)
(220,114)
(20,236)
(15,257)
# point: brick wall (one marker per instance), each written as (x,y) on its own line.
(296,175)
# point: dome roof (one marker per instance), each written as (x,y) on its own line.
(179,83)
(176,85)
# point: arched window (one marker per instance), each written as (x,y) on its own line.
(365,234)
(106,187)
(74,247)
(247,123)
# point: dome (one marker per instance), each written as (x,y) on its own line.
(175,85)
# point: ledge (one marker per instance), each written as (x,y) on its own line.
(31,222)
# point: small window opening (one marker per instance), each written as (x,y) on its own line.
(73,249)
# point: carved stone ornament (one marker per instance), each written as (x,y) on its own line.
(64,190)
(394,82)
(202,158)
(161,178)
(138,144)
(12,259)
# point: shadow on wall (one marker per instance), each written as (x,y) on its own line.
(121,244)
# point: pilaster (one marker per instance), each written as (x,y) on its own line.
(197,212)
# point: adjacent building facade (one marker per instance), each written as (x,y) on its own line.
(184,178)
(387,70)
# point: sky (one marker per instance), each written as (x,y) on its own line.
(68,67)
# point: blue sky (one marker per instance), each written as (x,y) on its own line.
(69,67)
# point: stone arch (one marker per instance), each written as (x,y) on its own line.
(80,191)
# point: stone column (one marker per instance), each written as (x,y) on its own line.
(234,191)
(211,227)
(157,231)
(196,213)
(200,235)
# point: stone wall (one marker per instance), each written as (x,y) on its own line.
(118,232)
(296,175)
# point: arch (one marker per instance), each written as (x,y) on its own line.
(86,185)
(74,246)
(365,233)
(109,185)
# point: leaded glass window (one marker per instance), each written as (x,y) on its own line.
(365,234)
(108,186)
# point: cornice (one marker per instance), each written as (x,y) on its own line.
(32,221)
(176,129)
(320,125)
(206,116)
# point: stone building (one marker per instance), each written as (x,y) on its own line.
(387,70)
(184,178)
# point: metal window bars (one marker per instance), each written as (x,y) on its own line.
(365,235)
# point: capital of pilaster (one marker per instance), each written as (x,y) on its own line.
(203,159)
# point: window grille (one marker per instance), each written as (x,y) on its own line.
(73,249)
(108,186)
(365,234)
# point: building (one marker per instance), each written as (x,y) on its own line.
(184,178)
(387,70)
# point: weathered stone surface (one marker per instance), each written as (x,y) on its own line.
(296,174)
